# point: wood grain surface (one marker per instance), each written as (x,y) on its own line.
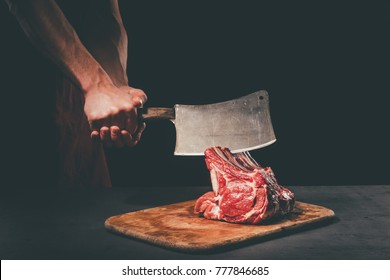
(175,226)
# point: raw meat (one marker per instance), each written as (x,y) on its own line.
(243,191)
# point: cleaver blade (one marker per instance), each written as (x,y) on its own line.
(241,124)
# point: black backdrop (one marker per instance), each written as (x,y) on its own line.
(325,66)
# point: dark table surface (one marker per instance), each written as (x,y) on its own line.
(68,224)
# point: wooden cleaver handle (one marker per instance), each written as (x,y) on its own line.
(156,113)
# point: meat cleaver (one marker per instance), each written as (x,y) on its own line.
(241,124)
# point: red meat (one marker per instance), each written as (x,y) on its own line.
(243,191)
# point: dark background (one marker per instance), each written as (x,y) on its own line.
(325,66)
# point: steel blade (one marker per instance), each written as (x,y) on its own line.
(241,124)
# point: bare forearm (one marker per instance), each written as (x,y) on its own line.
(110,105)
(49,30)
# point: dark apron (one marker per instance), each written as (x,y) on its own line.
(82,161)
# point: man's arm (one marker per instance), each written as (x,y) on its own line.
(106,106)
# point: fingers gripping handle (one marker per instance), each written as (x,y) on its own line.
(156,113)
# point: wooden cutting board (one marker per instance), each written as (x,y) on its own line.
(177,227)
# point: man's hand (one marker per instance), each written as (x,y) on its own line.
(112,114)
(111,110)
